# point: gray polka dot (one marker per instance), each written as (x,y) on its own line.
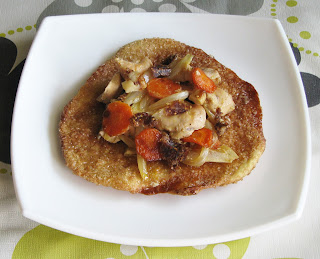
(111,9)
(137,10)
(235,7)
(157,1)
(83,3)
(116,1)
(137,2)
(167,8)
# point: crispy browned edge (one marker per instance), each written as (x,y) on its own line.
(103,163)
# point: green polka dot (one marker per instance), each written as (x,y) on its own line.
(308,51)
(273,10)
(301,49)
(2,35)
(275,1)
(295,45)
(19,30)
(290,40)
(292,19)
(273,5)
(3,171)
(273,14)
(291,3)
(28,28)
(315,54)
(305,35)
(35,26)
(10,32)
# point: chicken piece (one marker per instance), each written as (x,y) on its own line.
(132,71)
(181,71)
(177,107)
(219,99)
(183,124)
(198,96)
(212,74)
(111,90)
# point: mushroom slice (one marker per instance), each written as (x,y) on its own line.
(198,96)
(161,71)
(111,90)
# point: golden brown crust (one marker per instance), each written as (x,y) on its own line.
(103,163)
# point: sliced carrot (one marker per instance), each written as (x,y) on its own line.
(116,120)
(147,144)
(202,81)
(162,87)
(203,137)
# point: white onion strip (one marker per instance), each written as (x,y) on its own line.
(134,97)
(169,99)
(145,102)
(142,165)
(128,141)
(196,159)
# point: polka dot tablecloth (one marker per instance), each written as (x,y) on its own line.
(22,238)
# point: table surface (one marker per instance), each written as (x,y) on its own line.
(23,238)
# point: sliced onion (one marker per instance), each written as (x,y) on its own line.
(211,115)
(142,165)
(223,154)
(128,141)
(130,152)
(196,158)
(145,102)
(169,99)
(135,108)
(134,97)
(113,139)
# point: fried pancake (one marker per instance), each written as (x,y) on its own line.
(103,163)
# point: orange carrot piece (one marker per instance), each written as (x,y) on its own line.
(202,81)
(162,87)
(203,137)
(116,120)
(147,144)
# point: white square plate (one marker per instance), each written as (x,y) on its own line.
(67,49)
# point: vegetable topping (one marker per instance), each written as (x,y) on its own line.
(162,87)
(148,144)
(202,81)
(116,119)
(203,137)
(171,112)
